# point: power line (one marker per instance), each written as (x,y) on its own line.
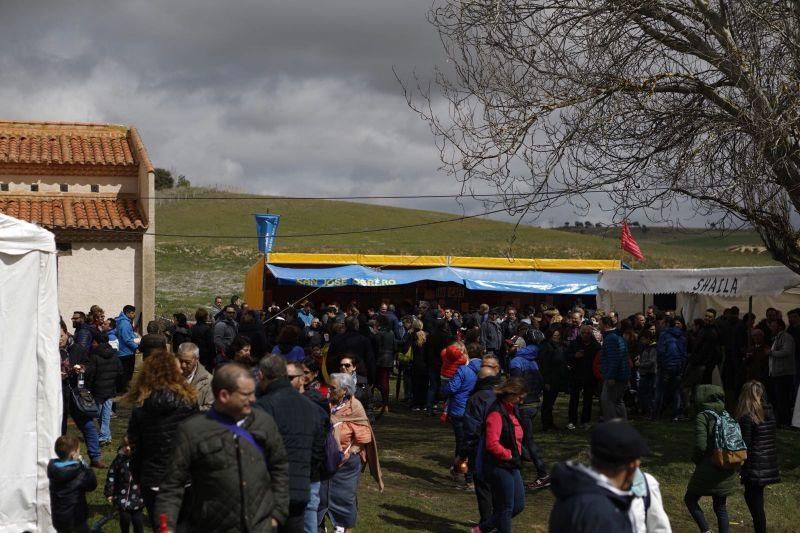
(56,196)
(324,234)
(290,198)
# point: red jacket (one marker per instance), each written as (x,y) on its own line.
(494,427)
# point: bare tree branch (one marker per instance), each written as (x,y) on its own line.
(650,102)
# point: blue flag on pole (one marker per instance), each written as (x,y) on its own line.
(267,226)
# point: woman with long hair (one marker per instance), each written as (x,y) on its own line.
(759,432)
(353,434)
(162,398)
(502,456)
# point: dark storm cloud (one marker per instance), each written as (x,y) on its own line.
(184,42)
(293,97)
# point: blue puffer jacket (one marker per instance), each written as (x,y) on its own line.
(614,362)
(524,366)
(125,336)
(459,387)
(671,348)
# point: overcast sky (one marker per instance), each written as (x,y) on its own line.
(284,97)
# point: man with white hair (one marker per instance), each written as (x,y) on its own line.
(196,374)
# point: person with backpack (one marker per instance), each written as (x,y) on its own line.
(759,430)
(709,478)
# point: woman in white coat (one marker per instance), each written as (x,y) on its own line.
(647,510)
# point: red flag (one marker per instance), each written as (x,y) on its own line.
(628,243)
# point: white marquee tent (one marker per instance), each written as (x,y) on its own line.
(699,289)
(30,380)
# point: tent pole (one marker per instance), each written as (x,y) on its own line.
(750,305)
(644,303)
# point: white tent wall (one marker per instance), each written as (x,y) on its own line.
(30,380)
(699,289)
(694,305)
(623,303)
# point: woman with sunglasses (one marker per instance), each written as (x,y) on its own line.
(353,433)
(348,364)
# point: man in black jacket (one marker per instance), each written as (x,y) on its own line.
(202,335)
(580,356)
(481,399)
(438,340)
(108,379)
(352,342)
(300,426)
(83,335)
(235,459)
(598,497)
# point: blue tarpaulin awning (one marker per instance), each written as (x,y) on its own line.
(527,281)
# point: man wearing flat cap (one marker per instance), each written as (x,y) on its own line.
(598,497)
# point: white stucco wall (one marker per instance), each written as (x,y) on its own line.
(77,184)
(107,274)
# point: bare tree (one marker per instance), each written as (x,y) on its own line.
(651,102)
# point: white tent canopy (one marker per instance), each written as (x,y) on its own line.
(698,289)
(30,379)
(722,282)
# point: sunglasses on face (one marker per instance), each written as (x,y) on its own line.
(346,365)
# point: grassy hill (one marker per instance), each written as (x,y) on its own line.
(191,270)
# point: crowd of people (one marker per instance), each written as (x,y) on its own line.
(244,420)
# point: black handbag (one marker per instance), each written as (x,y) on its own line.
(83,402)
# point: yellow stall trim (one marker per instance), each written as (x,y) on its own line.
(387,261)
(254,285)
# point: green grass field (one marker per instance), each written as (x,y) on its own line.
(190,271)
(416,450)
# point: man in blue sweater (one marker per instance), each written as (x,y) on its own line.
(616,371)
(128,343)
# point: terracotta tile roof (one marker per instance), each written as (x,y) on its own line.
(53,143)
(76,212)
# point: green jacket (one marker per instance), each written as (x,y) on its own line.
(708,479)
(234,487)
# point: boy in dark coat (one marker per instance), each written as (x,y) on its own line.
(598,497)
(70,480)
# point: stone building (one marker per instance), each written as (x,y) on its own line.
(92,185)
